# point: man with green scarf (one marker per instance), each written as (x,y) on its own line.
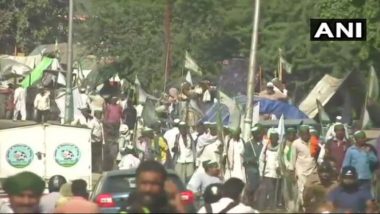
(24,191)
(289,185)
(251,156)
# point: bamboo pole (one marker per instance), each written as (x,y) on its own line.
(251,72)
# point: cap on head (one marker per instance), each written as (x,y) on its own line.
(304,128)
(349,172)
(209,164)
(182,124)
(338,126)
(147,130)
(291,130)
(360,135)
(270,85)
(272,132)
(176,121)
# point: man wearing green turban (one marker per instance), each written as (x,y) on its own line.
(24,191)
(362,157)
(252,151)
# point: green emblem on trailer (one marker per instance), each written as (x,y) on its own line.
(19,155)
(67,155)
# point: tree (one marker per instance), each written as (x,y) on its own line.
(26,24)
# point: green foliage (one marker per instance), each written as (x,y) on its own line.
(26,24)
(131,32)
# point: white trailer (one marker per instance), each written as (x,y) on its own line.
(45,149)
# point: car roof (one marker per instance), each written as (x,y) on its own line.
(130,172)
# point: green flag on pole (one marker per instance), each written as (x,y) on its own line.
(191,64)
(37,73)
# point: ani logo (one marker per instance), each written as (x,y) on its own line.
(19,155)
(67,155)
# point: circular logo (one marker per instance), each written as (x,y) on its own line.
(67,155)
(19,155)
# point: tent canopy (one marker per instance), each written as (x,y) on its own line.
(324,90)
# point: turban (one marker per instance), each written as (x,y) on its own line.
(24,181)
(338,126)
(360,135)
(304,128)
(272,131)
(291,130)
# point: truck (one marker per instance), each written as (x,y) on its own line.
(46,149)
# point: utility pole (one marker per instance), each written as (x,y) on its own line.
(251,72)
(69,92)
(168,55)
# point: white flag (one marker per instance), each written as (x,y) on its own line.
(191,65)
(286,64)
(256,114)
(281,129)
(366,119)
(188,78)
(61,79)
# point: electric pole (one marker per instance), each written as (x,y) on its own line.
(251,73)
(69,92)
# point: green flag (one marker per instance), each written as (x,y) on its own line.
(37,73)
(191,64)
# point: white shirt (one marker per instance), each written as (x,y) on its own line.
(302,161)
(42,102)
(48,202)
(5,207)
(209,151)
(85,100)
(129,162)
(170,138)
(185,151)
(96,129)
(200,180)
(19,98)
(269,158)
(224,202)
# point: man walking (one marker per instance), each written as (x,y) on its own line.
(269,169)
(234,157)
(42,105)
(183,148)
(19,101)
(302,162)
(336,147)
(362,158)
(252,153)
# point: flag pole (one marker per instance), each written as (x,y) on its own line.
(279,65)
(251,72)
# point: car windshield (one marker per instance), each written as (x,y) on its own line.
(127,183)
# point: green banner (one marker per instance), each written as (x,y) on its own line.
(37,73)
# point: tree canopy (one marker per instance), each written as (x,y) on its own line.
(131,33)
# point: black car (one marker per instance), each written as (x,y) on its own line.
(114,187)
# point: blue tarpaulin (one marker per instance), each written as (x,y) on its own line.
(211,114)
(278,108)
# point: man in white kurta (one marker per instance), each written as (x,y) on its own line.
(234,151)
(19,100)
(208,146)
(302,164)
(170,135)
